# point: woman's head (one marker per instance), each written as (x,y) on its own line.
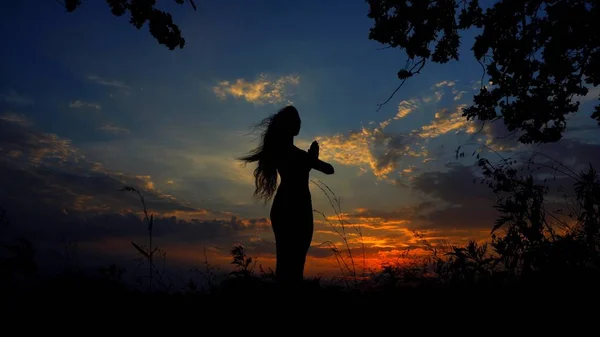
(286,122)
(278,129)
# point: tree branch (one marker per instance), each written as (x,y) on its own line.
(411,73)
(379,106)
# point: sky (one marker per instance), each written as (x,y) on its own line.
(89,104)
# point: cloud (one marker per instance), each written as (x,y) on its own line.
(404,109)
(114,84)
(458,94)
(577,154)
(439,89)
(445,84)
(263,90)
(391,154)
(15,118)
(384,235)
(445,122)
(461,202)
(379,149)
(82,104)
(12,97)
(116,130)
(496,137)
(35,149)
(201,171)
(80,199)
(368,149)
(444,185)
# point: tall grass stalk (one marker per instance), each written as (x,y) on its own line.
(347,264)
(147,253)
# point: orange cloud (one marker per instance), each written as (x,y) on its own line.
(51,147)
(354,149)
(148,184)
(404,109)
(367,149)
(376,150)
(260,91)
(445,122)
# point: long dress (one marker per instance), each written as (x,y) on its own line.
(292,216)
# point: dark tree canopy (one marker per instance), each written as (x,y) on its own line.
(539,54)
(160,23)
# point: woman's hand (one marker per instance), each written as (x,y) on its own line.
(314,149)
(316,163)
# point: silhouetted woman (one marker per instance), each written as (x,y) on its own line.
(291,213)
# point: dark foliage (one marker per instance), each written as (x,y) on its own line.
(160,23)
(538,54)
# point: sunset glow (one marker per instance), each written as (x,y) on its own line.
(96,106)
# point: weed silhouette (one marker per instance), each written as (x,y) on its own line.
(148,253)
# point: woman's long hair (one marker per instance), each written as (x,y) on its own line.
(275,129)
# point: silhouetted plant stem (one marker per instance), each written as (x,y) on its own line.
(350,266)
(150,221)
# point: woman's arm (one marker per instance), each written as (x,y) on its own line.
(315,162)
(322,166)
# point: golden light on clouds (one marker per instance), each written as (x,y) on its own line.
(263,90)
(148,184)
(355,149)
(404,109)
(378,150)
(50,147)
(445,122)
(374,148)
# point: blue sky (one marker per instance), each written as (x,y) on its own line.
(172,122)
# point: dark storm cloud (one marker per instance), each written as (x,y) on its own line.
(461,202)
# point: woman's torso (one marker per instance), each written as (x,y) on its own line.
(293,168)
